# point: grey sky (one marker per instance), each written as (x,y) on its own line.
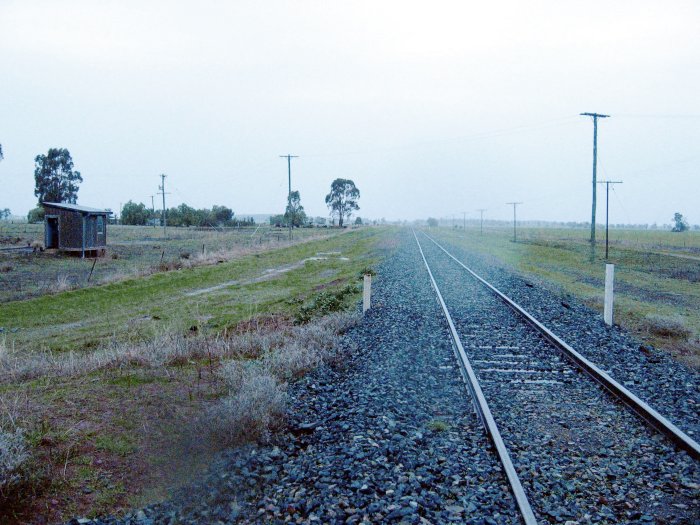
(432,108)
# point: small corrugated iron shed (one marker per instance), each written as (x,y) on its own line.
(76,229)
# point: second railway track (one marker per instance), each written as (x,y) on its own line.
(578,454)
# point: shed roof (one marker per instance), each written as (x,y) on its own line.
(75,207)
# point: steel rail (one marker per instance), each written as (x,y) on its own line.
(639,407)
(482,406)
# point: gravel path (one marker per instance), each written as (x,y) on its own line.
(392,437)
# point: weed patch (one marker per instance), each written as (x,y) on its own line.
(437,425)
(119,445)
(326,302)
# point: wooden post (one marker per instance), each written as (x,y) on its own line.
(608,308)
(94,262)
(366,292)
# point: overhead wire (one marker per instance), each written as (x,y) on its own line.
(436,142)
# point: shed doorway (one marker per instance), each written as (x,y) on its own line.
(51,232)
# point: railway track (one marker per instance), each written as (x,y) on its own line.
(562,439)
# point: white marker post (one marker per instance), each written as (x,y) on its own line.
(366,293)
(608,308)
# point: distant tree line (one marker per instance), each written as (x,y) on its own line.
(183,215)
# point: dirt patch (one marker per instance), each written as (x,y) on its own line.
(98,438)
(267,275)
(262,323)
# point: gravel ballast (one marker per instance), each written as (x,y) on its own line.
(389,437)
(390,434)
(580,455)
(670,387)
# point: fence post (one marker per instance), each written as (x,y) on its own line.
(608,308)
(366,292)
(94,262)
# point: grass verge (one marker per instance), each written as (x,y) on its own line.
(105,420)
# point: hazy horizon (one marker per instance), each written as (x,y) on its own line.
(433,110)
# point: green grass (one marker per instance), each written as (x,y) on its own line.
(131,250)
(99,428)
(138,308)
(120,445)
(437,425)
(655,273)
(134,380)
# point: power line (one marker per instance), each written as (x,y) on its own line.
(163,193)
(659,115)
(481,211)
(436,142)
(153,209)
(515,205)
(607,208)
(595,117)
(289,194)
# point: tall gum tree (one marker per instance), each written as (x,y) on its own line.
(56,181)
(342,200)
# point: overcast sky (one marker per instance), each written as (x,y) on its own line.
(432,108)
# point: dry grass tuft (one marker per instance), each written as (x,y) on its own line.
(255,365)
(292,361)
(13,455)
(173,348)
(62,284)
(672,327)
(253,408)
(14,452)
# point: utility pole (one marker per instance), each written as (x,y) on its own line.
(289,194)
(163,193)
(481,211)
(464,221)
(515,205)
(153,210)
(607,208)
(595,117)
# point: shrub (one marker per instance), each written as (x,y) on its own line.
(324,303)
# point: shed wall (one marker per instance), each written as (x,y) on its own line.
(70,229)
